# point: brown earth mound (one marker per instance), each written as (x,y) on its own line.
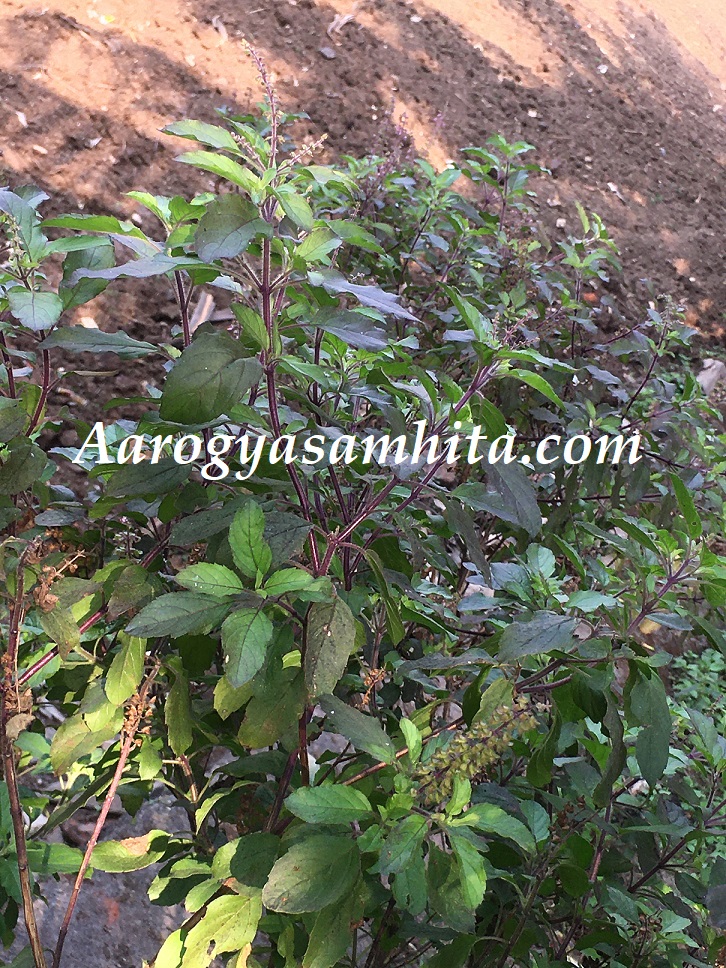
(624,101)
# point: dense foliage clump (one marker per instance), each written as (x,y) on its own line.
(437,687)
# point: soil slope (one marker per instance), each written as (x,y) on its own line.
(624,100)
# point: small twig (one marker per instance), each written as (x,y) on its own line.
(16,813)
(187,771)
(372,959)
(282,790)
(7,750)
(44,391)
(369,771)
(43,661)
(650,606)
(649,371)
(183,300)
(125,751)
(134,717)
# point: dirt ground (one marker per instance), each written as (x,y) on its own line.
(624,99)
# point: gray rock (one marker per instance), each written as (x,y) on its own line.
(115,924)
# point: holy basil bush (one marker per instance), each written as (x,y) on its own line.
(446,738)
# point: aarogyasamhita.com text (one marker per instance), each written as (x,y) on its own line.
(222,453)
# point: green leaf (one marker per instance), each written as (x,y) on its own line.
(46,859)
(224,168)
(491,819)
(138,480)
(637,531)
(250,551)
(509,496)
(589,695)
(538,383)
(150,762)
(312,875)
(539,768)
(71,590)
(246,635)
(537,818)
(227,227)
(317,245)
(206,134)
(329,643)
(402,843)
(295,207)
(574,879)
(409,885)
(132,854)
(158,264)
(446,892)
(545,632)
(76,738)
(126,669)
(394,624)
(285,533)
(227,699)
(159,205)
(201,525)
(688,508)
(178,613)
(209,379)
(177,710)
(13,419)
(517,496)
(61,628)
(498,693)
(250,859)
(472,871)
(289,580)
(78,339)
(216,580)
(712,632)
(229,923)
(328,804)
(354,234)
(618,755)
(385,302)
(326,174)
(274,710)
(456,954)
(36,310)
(99,256)
(460,796)
(131,589)
(26,221)
(413,738)
(94,223)
(589,601)
(364,732)
(648,704)
(332,932)
(170,953)
(354,328)
(252,324)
